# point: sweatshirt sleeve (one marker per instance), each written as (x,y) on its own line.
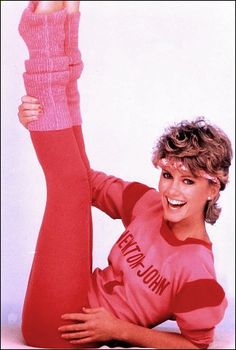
(199,306)
(114,196)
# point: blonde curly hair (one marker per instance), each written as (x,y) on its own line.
(199,146)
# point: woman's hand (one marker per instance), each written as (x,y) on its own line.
(94,325)
(98,325)
(29,110)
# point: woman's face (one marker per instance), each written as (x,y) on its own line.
(183,195)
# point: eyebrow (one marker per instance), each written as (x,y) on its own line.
(185,175)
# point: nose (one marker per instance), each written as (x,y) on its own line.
(174,188)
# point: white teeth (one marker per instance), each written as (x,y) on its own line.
(175,201)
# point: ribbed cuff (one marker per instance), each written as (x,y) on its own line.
(72,93)
(43,34)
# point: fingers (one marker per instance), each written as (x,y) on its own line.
(77,335)
(80,316)
(93,310)
(29,110)
(73,327)
(25,117)
(29,99)
(83,341)
(26,120)
(75,317)
(88,327)
(30,106)
(28,113)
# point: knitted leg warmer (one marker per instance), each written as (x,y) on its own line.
(47,73)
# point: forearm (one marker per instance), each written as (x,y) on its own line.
(145,337)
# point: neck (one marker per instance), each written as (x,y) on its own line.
(183,230)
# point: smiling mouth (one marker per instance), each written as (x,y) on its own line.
(174,203)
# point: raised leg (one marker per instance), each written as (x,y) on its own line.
(61,269)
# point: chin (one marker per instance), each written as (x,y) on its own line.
(174,217)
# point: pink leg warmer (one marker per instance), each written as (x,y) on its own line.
(47,72)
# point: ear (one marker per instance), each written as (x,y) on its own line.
(213,191)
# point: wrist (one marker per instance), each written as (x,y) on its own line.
(120,330)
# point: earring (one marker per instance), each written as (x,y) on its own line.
(209,198)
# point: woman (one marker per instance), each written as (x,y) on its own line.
(162,265)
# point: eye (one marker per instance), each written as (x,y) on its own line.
(188,182)
(167,175)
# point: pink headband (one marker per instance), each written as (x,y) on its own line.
(180,166)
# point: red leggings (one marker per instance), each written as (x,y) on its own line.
(61,270)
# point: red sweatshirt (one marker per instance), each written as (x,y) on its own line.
(151,275)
